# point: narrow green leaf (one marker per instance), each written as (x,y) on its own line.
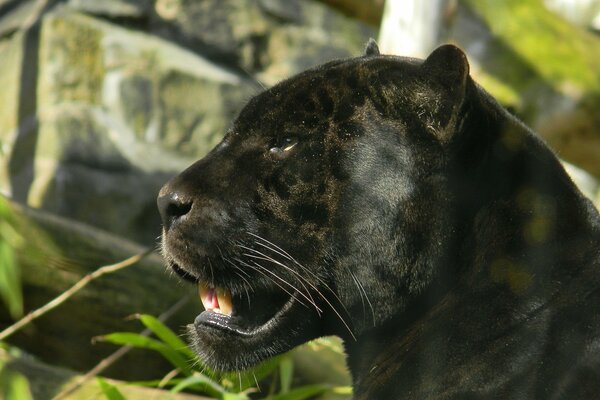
(302,393)
(131,339)
(344,390)
(137,340)
(235,396)
(110,391)
(13,385)
(203,382)
(250,377)
(286,372)
(10,280)
(166,335)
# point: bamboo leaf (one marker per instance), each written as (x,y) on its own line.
(166,335)
(10,280)
(140,341)
(203,382)
(110,391)
(13,385)
(286,372)
(302,393)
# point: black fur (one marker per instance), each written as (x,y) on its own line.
(372,49)
(392,202)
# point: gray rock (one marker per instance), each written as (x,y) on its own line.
(117,113)
(13,14)
(113,8)
(270,39)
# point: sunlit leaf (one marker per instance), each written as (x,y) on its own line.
(303,392)
(286,372)
(10,280)
(140,341)
(110,391)
(343,390)
(166,335)
(203,383)
(13,385)
(235,396)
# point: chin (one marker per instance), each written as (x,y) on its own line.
(241,340)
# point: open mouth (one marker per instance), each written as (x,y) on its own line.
(244,313)
(247,321)
(215,300)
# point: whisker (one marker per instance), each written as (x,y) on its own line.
(270,278)
(288,256)
(301,279)
(278,250)
(363,292)
(239,271)
(256,381)
(362,299)
(310,301)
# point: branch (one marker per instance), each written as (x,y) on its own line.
(114,357)
(107,269)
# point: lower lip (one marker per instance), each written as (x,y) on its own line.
(219,321)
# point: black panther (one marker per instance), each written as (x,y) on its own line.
(391,201)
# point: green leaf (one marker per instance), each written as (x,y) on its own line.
(166,335)
(10,279)
(13,385)
(247,379)
(303,392)
(235,396)
(344,390)
(203,382)
(286,372)
(140,341)
(110,391)
(10,273)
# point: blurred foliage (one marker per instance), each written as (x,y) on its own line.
(13,385)
(192,376)
(110,391)
(10,278)
(544,41)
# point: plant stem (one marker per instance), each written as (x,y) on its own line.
(111,359)
(107,269)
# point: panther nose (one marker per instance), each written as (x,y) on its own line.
(172,206)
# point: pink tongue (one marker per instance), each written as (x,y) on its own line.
(210,300)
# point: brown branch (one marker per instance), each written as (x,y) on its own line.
(57,301)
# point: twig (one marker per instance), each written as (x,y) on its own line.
(107,269)
(108,361)
(39,8)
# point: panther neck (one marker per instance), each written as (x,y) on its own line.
(507,288)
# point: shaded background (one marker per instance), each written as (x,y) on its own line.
(102,101)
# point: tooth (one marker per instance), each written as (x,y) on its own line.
(206,294)
(224,298)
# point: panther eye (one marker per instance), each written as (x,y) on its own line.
(282,147)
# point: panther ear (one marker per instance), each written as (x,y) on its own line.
(447,69)
(372,49)
(449,64)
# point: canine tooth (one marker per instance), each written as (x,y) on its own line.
(224,298)
(207,296)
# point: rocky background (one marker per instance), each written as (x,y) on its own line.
(102,101)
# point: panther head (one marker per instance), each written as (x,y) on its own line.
(319,213)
